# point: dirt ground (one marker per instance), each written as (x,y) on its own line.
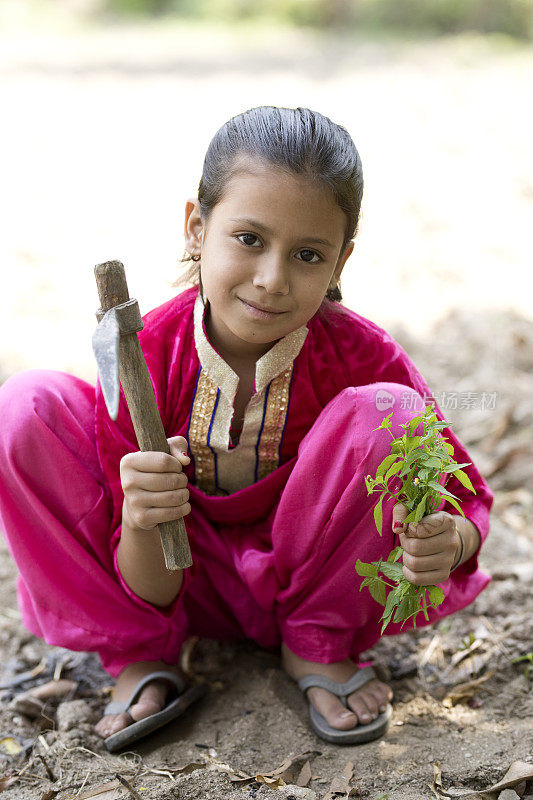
(463,707)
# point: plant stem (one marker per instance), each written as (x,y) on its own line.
(425,606)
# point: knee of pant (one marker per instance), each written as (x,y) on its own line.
(381,399)
(24,400)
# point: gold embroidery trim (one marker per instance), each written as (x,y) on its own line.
(277,403)
(204,405)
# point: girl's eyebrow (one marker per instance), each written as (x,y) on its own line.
(254,224)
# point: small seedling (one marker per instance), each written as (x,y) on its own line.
(467,642)
(420,461)
(529,667)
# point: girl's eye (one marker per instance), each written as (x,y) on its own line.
(309,256)
(249,239)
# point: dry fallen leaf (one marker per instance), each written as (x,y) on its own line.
(7,780)
(464,691)
(287,771)
(305,775)
(29,706)
(518,772)
(103,791)
(272,783)
(52,690)
(340,785)
(49,794)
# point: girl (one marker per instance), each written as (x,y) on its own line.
(276,390)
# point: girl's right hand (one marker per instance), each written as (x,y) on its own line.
(155,486)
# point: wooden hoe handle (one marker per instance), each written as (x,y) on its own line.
(140,397)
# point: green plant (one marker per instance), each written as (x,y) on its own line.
(420,461)
(529,667)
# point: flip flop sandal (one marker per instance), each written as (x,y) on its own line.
(357,735)
(137,730)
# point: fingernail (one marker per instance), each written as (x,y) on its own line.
(365,718)
(345,714)
(398,524)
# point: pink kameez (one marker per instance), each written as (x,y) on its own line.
(277,522)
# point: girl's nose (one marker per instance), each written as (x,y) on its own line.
(271,275)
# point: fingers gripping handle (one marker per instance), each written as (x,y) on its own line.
(140,397)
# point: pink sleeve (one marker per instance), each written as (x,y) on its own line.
(394,365)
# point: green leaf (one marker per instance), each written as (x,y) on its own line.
(394,571)
(464,479)
(456,505)
(378,590)
(392,471)
(452,466)
(414,423)
(404,586)
(412,443)
(385,464)
(405,609)
(378,514)
(387,614)
(439,488)
(362,568)
(449,448)
(439,426)
(436,595)
(385,423)
(395,554)
(421,509)
(410,517)
(432,462)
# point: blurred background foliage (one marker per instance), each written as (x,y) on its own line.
(429,17)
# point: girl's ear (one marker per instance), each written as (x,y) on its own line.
(194,226)
(343,258)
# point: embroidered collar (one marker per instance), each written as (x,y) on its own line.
(268,367)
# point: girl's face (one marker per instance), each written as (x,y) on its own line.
(269,251)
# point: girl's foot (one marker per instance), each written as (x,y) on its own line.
(151,699)
(364,705)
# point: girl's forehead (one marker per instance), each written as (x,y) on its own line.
(275,195)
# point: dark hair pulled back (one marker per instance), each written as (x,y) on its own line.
(298,140)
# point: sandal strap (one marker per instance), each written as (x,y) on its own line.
(341,690)
(117,707)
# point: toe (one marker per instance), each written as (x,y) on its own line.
(370,701)
(112,723)
(331,708)
(382,694)
(365,711)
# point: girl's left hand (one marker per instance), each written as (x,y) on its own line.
(431,548)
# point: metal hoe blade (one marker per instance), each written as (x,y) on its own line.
(105,348)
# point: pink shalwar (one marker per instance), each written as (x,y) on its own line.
(273,561)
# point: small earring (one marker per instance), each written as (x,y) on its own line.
(196,257)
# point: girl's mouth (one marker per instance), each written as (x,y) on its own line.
(258,312)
